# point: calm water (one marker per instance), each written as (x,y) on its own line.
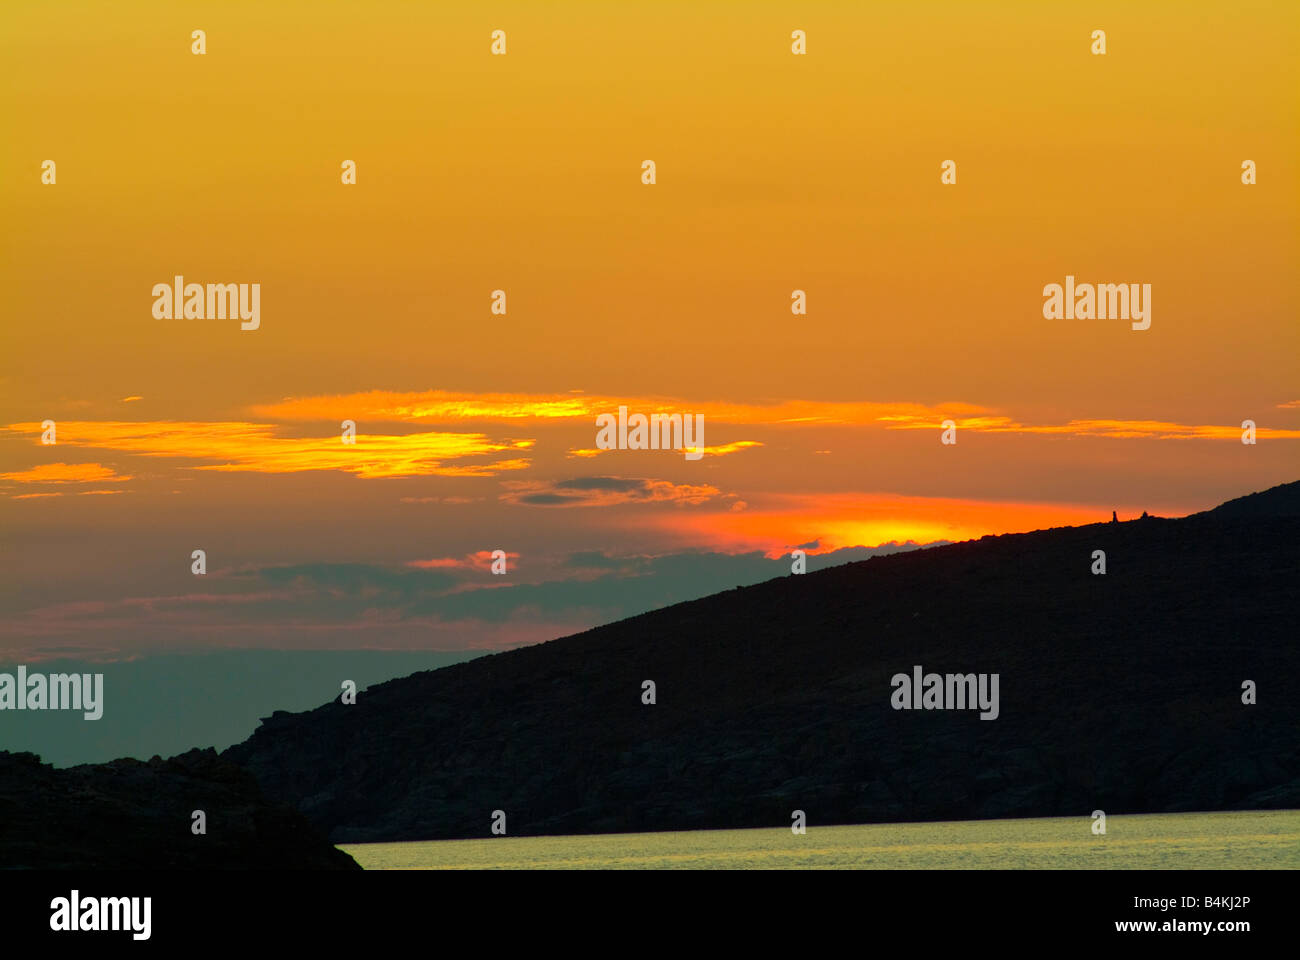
(1249,840)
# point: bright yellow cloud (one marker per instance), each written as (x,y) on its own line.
(255,447)
(66,473)
(440,406)
(446,407)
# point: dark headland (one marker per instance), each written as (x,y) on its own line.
(1121,692)
(131,814)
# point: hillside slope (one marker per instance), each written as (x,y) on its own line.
(1120,692)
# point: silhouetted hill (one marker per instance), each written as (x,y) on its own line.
(128,815)
(1280,501)
(1120,692)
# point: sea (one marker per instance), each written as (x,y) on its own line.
(1248,840)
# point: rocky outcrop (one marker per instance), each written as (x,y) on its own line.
(130,814)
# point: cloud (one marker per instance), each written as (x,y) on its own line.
(1114,429)
(610,484)
(480,560)
(255,448)
(414,606)
(721,450)
(359,581)
(605,491)
(440,406)
(66,473)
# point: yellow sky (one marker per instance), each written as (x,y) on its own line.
(776,172)
(522,172)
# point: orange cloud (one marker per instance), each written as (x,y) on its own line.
(444,406)
(435,405)
(447,407)
(255,447)
(480,560)
(1125,429)
(852,520)
(66,473)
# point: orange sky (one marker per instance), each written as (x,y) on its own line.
(523,173)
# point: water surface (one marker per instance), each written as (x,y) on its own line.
(1239,840)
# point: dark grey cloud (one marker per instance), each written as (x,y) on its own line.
(616,484)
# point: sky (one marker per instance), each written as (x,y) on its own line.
(523,172)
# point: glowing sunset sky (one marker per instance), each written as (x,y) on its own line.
(523,173)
